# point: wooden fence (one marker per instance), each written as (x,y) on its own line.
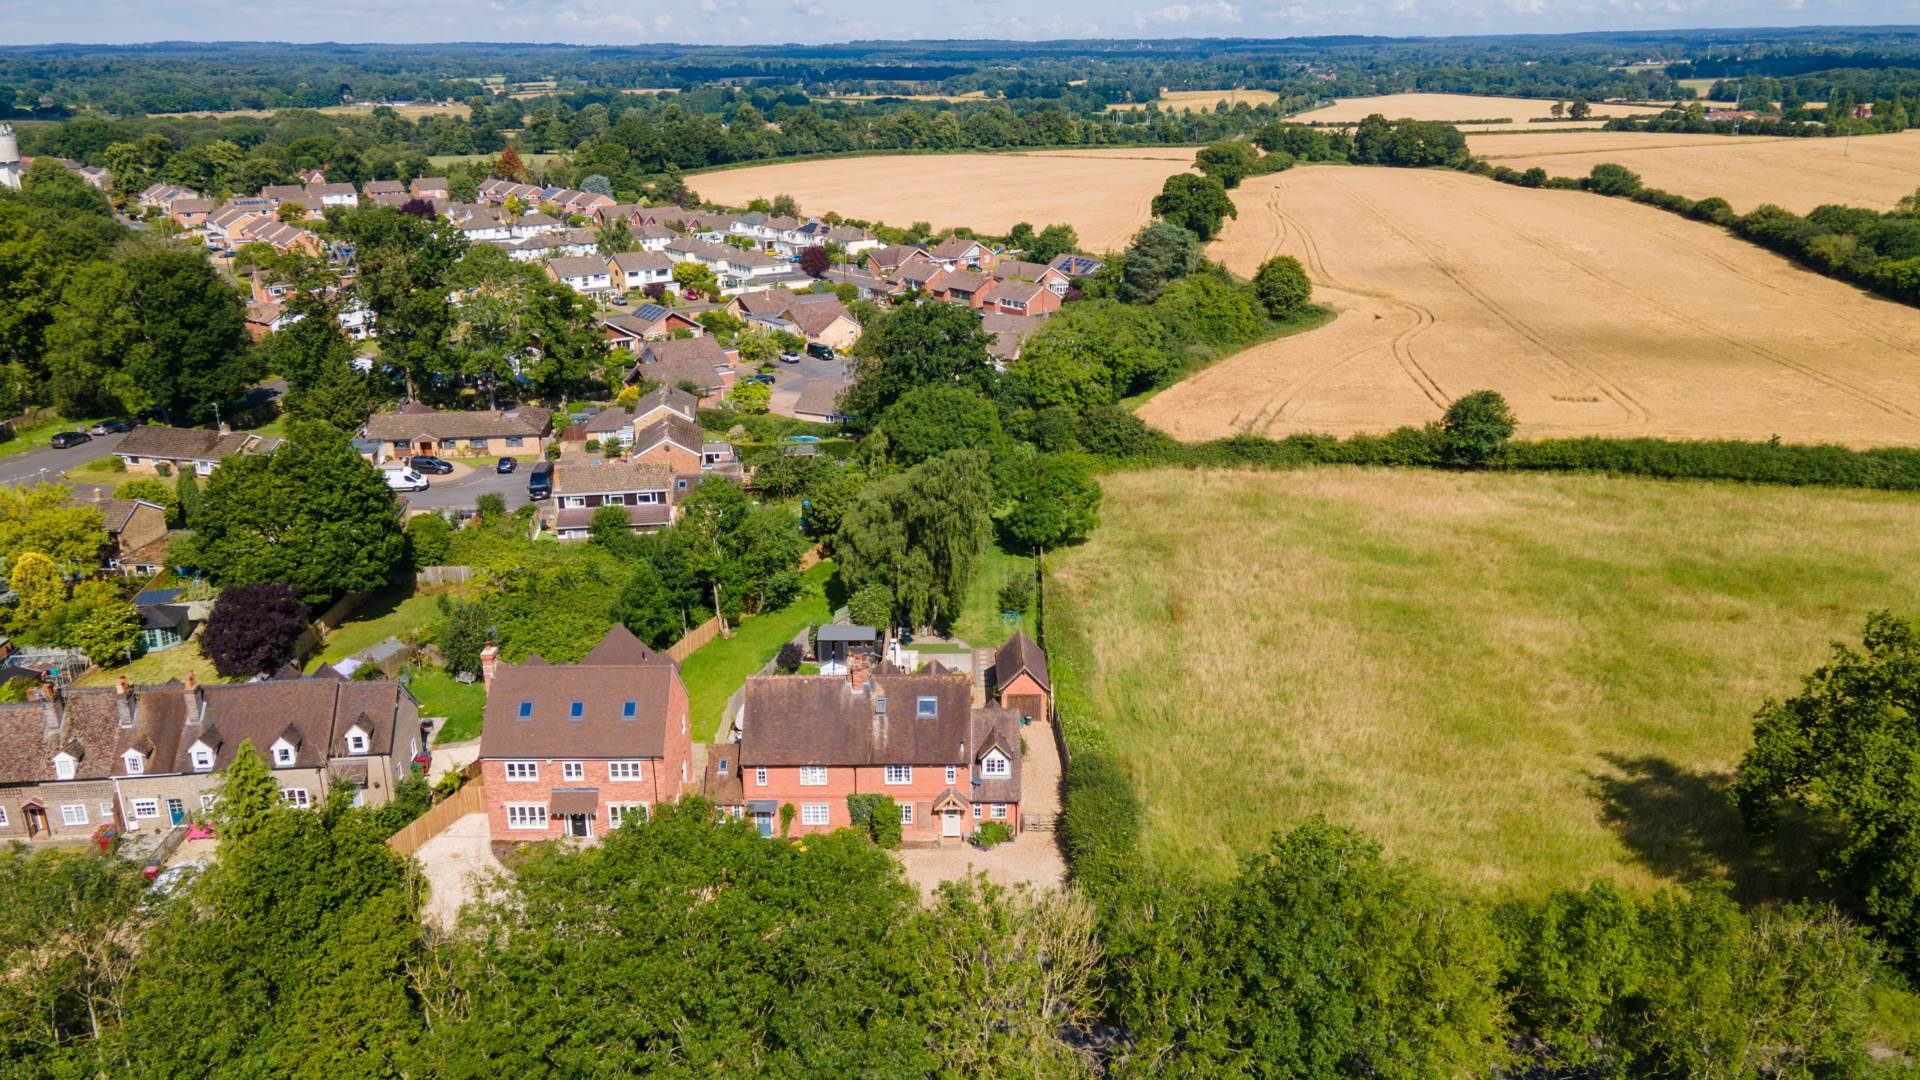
(443,575)
(695,638)
(470,799)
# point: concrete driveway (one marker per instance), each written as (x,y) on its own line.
(458,865)
(790,379)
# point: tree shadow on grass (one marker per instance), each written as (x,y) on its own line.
(1682,825)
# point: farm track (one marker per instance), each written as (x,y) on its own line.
(1592,316)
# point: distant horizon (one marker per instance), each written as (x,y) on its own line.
(772,24)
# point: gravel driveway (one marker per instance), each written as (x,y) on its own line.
(456,863)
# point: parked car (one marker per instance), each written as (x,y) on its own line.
(427,463)
(65,439)
(789,358)
(505,465)
(618,300)
(768,379)
(540,480)
(406,480)
(819,351)
(109,427)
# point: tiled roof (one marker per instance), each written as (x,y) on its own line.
(576,478)
(578,266)
(825,720)
(677,430)
(821,397)
(603,688)
(525,421)
(188,444)
(1020,655)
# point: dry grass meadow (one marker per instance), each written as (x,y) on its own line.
(1593,316)
(1799,174)
(1459,107)
(1103,194)
(1524,681)
(1189,100)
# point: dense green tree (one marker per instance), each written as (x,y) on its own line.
(186,490)
(1608,178)
(920,533)
(159,328)
(406,265)
(254,629)
(1053,242)
(316,359)
(42,519)
(1842,751)
(1055,501)
(1282,286)
(1229,162)
(1094,352)
(1162,253)
(312,513)
(930,420)
(1198,204)
(871,605)
(153,490)
(429,540)
(916,345)
(1475,429)
(1211,308)
(109,630)
(462,635)
(647,608)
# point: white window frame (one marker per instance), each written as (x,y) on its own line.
(526,815)
(528,772)
(979,809)
(573,770)
(356,742)
(134,762)
(106,810)
(953,774)
(73,813)
(209,800)
(813,776)
(816,813)
(999,811)
(295,797)
(146,808)
(63,766)
(897,774)
(906,813)
(626,770)
(760,776)
(926,708)
(283,756)
(203,761)
(3,817)
(993,758)
(617,812)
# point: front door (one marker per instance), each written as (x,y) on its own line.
(764,822)
(176,811)
(949,823)
(580,825)
(36,821)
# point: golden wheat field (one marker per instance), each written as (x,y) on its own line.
(1593,316)
(1799,174)
(1103,194)
(1525,681)
(1189,100)
(1457,108)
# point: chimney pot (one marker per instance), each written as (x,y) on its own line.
(122,687)
(489,661)
(191,684)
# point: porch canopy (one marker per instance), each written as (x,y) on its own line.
(570,801)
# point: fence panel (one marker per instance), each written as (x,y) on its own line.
(470,799)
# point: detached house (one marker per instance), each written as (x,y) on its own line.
(646,322)
(630,270)
(1020,298)
(580,749)
(958,252)
(580,488)
(428,187)
(149,446)
(697,360)
(585,274)
(133,526)
(479,433)
(813,740)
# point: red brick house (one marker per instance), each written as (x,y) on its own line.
(578,749)
(813,740)
(1020,298)
(1019,678)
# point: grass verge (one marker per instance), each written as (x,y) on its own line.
(718,668)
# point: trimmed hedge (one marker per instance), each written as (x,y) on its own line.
(1099,826)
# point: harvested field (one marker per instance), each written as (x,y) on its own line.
(1456,108)
(1523,681)
(1189,100)
(1799,174)
(1593,316)
(1103,194)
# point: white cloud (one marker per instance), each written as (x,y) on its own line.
(1215,11)
(812,9)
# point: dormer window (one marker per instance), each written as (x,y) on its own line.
(282,754)
(927,707)
(135,762)
(63,765)
(202,757)
(356,741)
(995,765)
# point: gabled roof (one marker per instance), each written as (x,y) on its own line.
(188,444)
(677,430)
(954,247)
(1020,656)
(825,720)
(614,674)
(525,421)
(578,478)
(633,261)
(813,319)
(577,266)
(1076,265)
(820,398)
(620,646)
(1018,291)
(698,359)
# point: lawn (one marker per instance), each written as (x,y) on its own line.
(979,623)
(718,668)
(157,668)
(461,703)
(389,613)
(1523,681)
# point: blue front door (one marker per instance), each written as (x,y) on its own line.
(765,823)
(176,811)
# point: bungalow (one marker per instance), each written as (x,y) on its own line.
(428,187)
(580,749)
(814,740)
(825,321)
(820,401)
(960,287)
(646,322)
(643,488)
(582,273)
(699,360)
(190,213)
(283,238)
(958,252)
(1040,273)
(1073,266)
(1010,333)
(374,188)
(149,446)
(884,261)
(1021,298)
(482,433)
(629,270)
(917,275)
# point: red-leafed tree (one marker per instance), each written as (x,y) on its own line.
(814,261)
(253,629)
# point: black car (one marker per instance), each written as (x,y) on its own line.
(427,463)
(819,351)
(69,438)
(540,480)
(109,427)
(506,465)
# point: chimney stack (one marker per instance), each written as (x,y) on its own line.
(196,700)
(489,660)
(859,668)
(121,688)
(123,702)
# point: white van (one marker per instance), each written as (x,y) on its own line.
(406,480)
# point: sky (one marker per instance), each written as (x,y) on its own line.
(627,22)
